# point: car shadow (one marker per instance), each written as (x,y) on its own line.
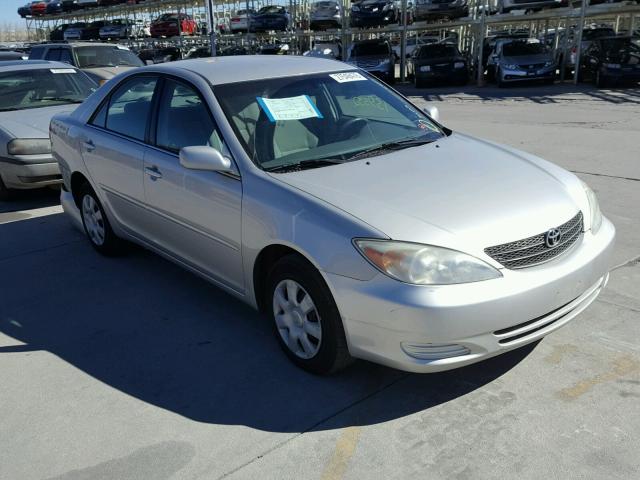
(151,330)
(30,199)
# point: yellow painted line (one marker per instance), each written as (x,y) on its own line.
(345,448)
(621,366)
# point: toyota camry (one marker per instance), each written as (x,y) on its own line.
(359,224)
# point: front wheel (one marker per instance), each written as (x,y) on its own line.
(5,193)
(305,317)
(96,224)
(601,81)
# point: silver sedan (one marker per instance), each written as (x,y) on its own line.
(356,222)
(31,93)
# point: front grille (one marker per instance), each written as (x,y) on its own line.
(533,66)
(533,250)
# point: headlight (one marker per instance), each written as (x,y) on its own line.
(511,66)
(424,264)
(384,62)
(458,65)
(425,68)
(612,65)
(548,64)
(355,8)
(594,207)
(29,146)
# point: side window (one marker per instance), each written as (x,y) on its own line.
(53,55)
(130,106)
(100,118)
(65,56)
(184,120)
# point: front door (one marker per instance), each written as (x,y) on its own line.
(194,215)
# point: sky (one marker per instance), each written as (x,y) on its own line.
(9,10)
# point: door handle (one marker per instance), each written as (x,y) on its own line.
(89,146)
(153,172)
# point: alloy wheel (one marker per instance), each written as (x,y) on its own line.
(297,319)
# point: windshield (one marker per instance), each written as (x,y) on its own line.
(370,48)
(516,49)
(43,88)
(622,50)
(90,57)
(592,34)
(314,118)
(438,51)
(271,9)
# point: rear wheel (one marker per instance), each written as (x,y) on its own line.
(305,317)
(96,224)
(5,193)
(601,81)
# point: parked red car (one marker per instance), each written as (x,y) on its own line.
(167,25)
(38,8)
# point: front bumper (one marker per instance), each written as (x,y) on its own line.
(621,76)
(451,326)
(456,75)
(364,20)
(547,73)
(441,11)
(40,172)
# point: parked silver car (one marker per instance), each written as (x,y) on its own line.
(360,225)
(31,92)
(523,60)
(325,14)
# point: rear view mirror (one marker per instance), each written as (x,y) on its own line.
(432,112)
(204,158)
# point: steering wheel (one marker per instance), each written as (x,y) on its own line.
(353,126)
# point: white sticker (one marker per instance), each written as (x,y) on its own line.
(347,77)
(62,70)
(292,108)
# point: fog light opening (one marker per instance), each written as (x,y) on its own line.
(434,351)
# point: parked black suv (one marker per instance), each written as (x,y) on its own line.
(438,62)
(611,61)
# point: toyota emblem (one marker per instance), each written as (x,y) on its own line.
(552,237)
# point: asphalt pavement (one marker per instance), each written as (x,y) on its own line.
(131,368)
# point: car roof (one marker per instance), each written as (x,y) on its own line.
(17,65)
(80,44)
(244,68)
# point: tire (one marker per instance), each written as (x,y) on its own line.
(318,344)
(499,81)
(601,82)
(96,224)
(5,193)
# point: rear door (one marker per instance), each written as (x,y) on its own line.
(113,147)
(193,214)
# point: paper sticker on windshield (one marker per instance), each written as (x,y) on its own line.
(347,77)
(292,108)
(62,70)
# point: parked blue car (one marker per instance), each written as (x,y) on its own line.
(271,17)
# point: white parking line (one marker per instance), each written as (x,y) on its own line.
(9,217)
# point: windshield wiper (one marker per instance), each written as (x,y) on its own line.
(60,99)
(305,165)
(390,146)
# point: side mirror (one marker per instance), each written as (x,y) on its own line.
(204,158)
(432,112)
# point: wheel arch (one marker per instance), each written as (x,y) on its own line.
(77,181)
(265,260)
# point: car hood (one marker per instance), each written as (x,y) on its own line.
(105,73)
(33,122)
(528,59)
(459,192)
(435,61)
